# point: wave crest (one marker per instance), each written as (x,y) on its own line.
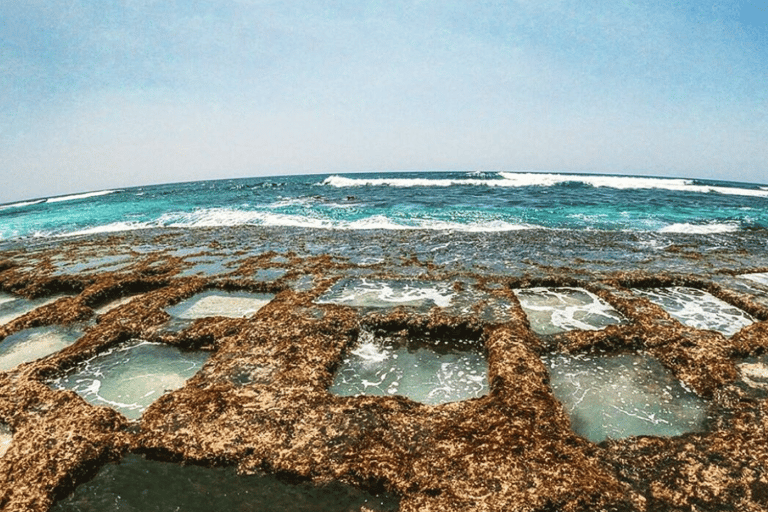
(85,195)
(535,179)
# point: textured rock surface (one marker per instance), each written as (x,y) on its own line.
(261,402)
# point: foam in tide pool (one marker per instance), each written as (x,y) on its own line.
(130,377)
(31,344)
(6,436)
(424,372)
(699,309)
(220,303)
(622,396)
(367,293)
(139,484)
(758,277)
(556,310)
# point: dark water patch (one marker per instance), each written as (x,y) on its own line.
(137,484)
(204,266)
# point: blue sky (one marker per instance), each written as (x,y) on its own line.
(108,94)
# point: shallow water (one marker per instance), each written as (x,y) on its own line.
(31,344)
(754,373)
(369,293)
(269,275)
(556,310)
(757,277)
(621,396)
(699,309)
(206,266)
(130,377)
(137,484)
(108,263)
(426,373)
(12,307)
(220,303)
(116,304)
(6,436)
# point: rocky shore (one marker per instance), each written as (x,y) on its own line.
(261,402)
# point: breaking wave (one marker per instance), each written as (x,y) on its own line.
(534,179)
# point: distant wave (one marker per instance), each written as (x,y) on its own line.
(700,229)
(225,217)
(21,204)
(514,180)
(80,196)
(341,182)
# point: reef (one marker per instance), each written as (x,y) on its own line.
(261,403)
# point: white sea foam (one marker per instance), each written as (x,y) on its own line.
(228,217)
(757,277)
(80,196)
(533,179)
(556,310)
(130,377)
(697,308)
(700,229)
(112,227)
(626,182)
(21,204)
(385,294)
(376,367)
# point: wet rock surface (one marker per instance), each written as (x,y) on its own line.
(261,404)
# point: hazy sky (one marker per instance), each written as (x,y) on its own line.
(101,94)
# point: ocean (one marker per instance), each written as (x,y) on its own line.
(442,201)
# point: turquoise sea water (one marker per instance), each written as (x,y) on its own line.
(455,201)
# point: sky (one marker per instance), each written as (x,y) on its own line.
(104,94)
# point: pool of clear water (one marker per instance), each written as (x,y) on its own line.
(372,293)
(623,395)
(31,344)
(556,310)
(220,303)
(426,372)
(130,377)
(697,308)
